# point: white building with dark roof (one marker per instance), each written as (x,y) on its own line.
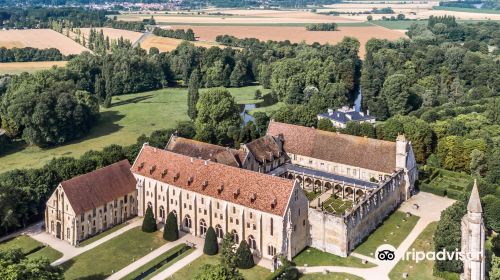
(344,115)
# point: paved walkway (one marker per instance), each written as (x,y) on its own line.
(69,251)
(33,228)
(430,207)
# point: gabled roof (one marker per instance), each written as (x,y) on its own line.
(372,154)
(204,151)
(264,149)
(344,117)
(88,191)
(239,186)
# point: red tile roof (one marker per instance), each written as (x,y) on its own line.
(204,150)
(91,190)
(216,180)
(264,149)
(351,150)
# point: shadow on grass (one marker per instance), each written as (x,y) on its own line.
(131,100)
(69,263)
(13,147)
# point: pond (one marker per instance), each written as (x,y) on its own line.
(245,115)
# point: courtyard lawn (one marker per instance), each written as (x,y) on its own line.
(329,276)
(46,252)
(112,255)
(336,205)
(31,248)
(128,117)
(158,260)
(315,257)
(191,270)
(392,231)
(312,195)
(423,269)
(23,242)
(101,235)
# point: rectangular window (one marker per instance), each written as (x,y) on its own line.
(171,201)
(220,216)
(199,210)
(187,195)
(184,205)
(231,220)
(234,210)
(190,207)
(105,207)
(250,215)
(217,205)
(93,212)
(254,227)
(82,217)
(272,226)
(237,222)
(125,198)
(304,222)
(204,211)
(248,225)
(173,192)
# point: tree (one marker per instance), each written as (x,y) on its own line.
(149,222)
(325,124)
(396,93)
(193,94)
(492,212)
(171,230)
(14,265)
(228,257)
(261,121)
(245,257)
(217,272)
(239,76)
(258,94)
(495,268)
(477,164)
(217,114)
(210,247)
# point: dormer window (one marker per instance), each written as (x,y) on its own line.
(204,184)
(164,172)
(190,180)
(176,176)
(220,188)
(274,203)
(152,169)
(141,165)
(253,197)
(236,192)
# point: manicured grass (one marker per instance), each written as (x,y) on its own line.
(314,257)
(397,24)
(388,233)
(23,242)
(467,10)
(113,255)
(159,259)
(27,245)
(337,205)
(423,269)
(312,195)
(101,235)
(268,109)
(191,270)
(46,252)
(329,276)
(130,116)
(443,182)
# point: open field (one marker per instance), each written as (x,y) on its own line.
(114,34)
(39,38)
(468,10)
(129,116)
(423,269)
(113,255)
(30,67)
(165,44)
(297,34)
(314,257)
(392,231)
(190,271)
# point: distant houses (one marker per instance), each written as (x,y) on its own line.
(342,116)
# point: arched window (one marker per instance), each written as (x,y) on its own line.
(162,212)
(203,227)
(236,238)
(271,251)
(251,242)
(219,232)
(187,221)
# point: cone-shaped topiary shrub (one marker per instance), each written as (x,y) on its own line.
(170,230)
(211,247)
(245,258)
(149,222)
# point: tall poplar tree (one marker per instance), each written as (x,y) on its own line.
(193,94)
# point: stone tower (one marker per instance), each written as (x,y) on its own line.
(473,236)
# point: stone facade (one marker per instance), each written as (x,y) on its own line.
(473,237)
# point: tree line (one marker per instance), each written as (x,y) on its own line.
(321,27)
(187,35)
(30,54)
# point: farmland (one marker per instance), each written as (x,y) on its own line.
(39,38)
(114,34)
(165,44)
(30,67)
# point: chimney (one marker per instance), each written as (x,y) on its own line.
(273,203)
(176,176)
(220,188)
(206,163)
(192,160)
(204,185)
(141,165)
(152,169)
(253,197)
(190,180)
(236,192)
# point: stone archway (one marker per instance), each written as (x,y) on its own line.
(360,194)
(308,183)
(58,230)
(348,193)
(317,185)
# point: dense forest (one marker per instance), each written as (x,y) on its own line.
(30,54)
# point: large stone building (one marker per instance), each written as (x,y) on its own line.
(269,212)
(473,237)
(91,203)
(294,187)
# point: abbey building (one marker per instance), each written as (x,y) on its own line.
(294,187)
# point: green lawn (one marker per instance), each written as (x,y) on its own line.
(27,245)
(467,10)
(112,255)
(336,205)
(159,259)
(46,252)
(397,24)
(329,276)
(101,235)
(388,233)
(315,257)
(130,116)
(443,182)
(312,195)
(423,269)
(188,272)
